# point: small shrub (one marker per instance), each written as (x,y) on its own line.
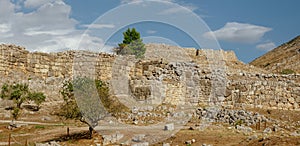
(111,103)
(39,127)
(238,122)
(5,91)
(38,98)
(69,109)
(287,71)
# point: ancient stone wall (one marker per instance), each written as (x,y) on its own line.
(166,74)
(46,72)
(264,90)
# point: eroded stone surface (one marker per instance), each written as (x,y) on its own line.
(166,75)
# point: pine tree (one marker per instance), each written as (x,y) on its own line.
(132,44)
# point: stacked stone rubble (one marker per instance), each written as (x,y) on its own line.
(166,74)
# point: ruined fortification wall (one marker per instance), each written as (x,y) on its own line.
(182,83)
(167,74)
(264,90)
(46,72)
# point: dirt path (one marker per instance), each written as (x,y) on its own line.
(32,123)
(55,133)
(55,130)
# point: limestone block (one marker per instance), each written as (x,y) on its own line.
(141,144)
(138,137)
(296,105)
(281,105)
(169,127)
(291,100)
(298,99)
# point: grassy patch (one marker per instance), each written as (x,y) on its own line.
(287,71)
(111,103)
(238,122)
(39,127)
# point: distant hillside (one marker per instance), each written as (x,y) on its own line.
(283,59)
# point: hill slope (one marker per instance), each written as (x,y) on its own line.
(285,58)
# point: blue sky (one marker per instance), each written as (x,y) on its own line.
(250,28)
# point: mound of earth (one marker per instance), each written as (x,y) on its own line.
(283,59)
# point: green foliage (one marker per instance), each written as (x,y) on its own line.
(287,71)
(132,44)
(69,109)
(82,99)
(238,122)
(16,112)
(21,93)
(4,91)
(136,48)
(39,127)
(17,92)
(67,91)
(102,89)
(88,100)
(111,103)
(88,108)
(130,35)
(38,98)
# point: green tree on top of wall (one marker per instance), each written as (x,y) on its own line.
(132,44)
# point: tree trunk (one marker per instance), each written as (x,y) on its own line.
(19,105)
(91,132)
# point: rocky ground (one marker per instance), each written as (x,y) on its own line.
(283,59)
(206,126)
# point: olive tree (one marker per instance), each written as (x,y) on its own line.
(19,93)
(16,92)
(82,102)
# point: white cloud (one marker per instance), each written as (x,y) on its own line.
(5,30)
(36,3)
(151,31)
(239,32)
(73,41)
(183,8)
(266,46)
(6,11)
(48,28)
(139,1)
(130,1)
(98,26)
(4,27)
(30,32)
(176,10)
